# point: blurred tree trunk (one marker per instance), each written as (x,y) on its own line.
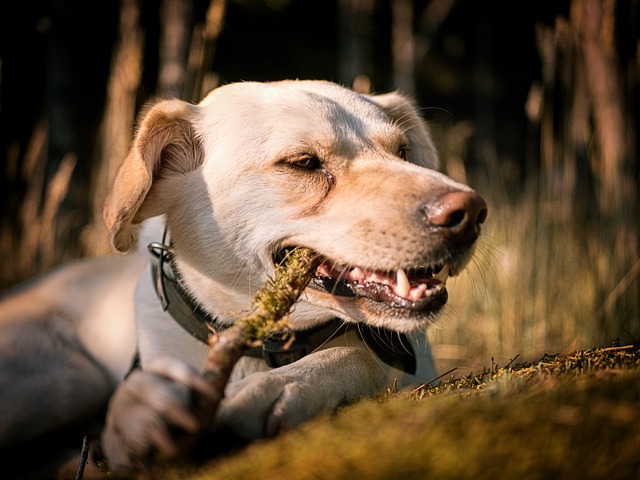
(116,129)
(200,78)
(403,46)
(185,54)
(60,148)
(51,103)
(355,43)
(589,159)
(175,30)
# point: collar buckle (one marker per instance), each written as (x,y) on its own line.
(162,254)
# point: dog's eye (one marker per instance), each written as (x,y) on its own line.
(403,151)
(305,162)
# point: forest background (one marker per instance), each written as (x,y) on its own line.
(534,103)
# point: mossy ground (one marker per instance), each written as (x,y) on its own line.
(566,416)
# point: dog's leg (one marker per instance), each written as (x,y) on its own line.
(66,340)
(146,410)
(151,405)
(266,403)
(47,378)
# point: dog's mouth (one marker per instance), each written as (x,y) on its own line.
(405,291)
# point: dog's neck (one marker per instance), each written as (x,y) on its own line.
(174,298)
(391,347)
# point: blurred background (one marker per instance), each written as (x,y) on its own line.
(533,103)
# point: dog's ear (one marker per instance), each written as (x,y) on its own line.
(402,111)
(165,146)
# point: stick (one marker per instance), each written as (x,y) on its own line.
(271,305)
(84,457)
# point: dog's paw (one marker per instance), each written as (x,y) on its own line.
(266,403)
(146,408)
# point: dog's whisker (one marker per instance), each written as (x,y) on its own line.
(370,351)
(333,335)
(407,122)
(485,262)
(240,273)
(402,339)
(490,254)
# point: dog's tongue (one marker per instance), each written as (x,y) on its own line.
(387,287)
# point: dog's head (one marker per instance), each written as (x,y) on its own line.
(255,169)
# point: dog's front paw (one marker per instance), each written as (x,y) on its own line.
(146,408)
(265,403)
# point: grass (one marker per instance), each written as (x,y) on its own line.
(564,416)
(536,284)
(553,273)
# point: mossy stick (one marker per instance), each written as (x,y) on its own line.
(270,308)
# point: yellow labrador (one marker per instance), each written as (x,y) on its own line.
(213,195)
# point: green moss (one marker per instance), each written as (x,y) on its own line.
(274,300)
(572,416)
(550,367)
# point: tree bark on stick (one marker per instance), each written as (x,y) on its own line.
(268,317)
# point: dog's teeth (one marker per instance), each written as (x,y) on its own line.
(418,292)
(403,287)
(374,277)
(443,274)
(356,274)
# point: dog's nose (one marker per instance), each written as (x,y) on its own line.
(458,216)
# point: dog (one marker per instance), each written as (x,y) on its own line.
(208,201)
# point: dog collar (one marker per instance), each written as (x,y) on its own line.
(393,348)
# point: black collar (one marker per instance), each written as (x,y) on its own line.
(392,348)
